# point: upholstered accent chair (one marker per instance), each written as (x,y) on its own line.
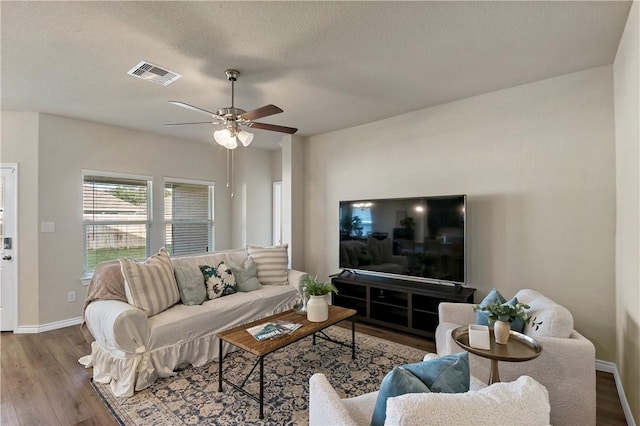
(522,402)
(566,366)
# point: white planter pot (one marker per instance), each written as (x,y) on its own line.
(317,309)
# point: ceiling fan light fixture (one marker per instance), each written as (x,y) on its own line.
(245,137)
(223,137)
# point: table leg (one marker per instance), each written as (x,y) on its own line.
(353,337)
(261,387)
(220,366)
(314,339)
(494,377)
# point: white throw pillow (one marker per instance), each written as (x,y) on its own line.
(523,402)
(272,264)
(150,285)
(549,319)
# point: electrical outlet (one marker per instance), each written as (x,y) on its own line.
(71,296)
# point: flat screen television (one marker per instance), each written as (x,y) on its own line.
(418,238)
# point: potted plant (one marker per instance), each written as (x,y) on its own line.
(317,307)
(501,315)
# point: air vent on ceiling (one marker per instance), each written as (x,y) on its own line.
(154,73)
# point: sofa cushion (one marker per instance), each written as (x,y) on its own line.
(482,317)
(272,263)
(183,324)
(219,280)
(449,374)
(522,402)
(246,274)
(548,318)
(190,284)
(150,285)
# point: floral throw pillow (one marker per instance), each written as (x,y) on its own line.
(219,280)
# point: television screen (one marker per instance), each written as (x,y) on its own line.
(421,238)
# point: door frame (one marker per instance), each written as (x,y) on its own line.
(12,293)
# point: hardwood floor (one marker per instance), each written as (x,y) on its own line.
(42,383)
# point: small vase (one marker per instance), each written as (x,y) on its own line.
(501,331)
(317,309)
(301,304)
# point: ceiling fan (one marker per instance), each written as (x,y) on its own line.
(228,121)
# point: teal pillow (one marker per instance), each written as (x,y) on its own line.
(190,285)
(482,317)
(518,323)
(246,275)
(446,374)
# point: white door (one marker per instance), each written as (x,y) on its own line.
(8,247)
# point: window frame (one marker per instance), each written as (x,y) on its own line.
(211,214)
(148,222)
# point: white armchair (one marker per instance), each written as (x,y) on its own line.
(566,366)
(524,401)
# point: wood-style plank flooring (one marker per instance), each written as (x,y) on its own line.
(42,383)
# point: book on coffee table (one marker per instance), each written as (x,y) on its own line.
(271,330)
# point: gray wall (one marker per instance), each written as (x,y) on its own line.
(52,151)
(627,108)
(538,165)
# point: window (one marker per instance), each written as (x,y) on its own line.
(188,215)
(116,217)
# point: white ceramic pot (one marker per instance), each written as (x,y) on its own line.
(501,331)
(317,309)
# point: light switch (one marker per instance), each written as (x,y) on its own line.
(47,226)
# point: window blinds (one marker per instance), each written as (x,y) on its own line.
(188,211)
(115,218)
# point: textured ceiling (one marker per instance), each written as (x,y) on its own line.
(328,65)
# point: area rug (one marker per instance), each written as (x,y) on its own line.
(192,397)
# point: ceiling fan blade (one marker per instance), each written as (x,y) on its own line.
(264,111)
(192,108)
(193,122)
(272,127)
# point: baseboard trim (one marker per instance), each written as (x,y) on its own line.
(32,329)
(610,367)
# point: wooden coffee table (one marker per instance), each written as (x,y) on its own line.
(240,337)
(519,347)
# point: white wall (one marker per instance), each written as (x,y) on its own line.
(252,204)
(66,147)
(537,163)
(293,199)
(627,124)
(19,144)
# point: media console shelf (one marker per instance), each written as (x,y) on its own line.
(395,303)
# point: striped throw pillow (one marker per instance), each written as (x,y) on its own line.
(272,264)
(150,285)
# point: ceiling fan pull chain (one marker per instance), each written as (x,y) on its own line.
(231,174)
(228,167)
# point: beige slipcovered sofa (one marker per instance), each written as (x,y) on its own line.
(132,349)
(522,402)
(566,366)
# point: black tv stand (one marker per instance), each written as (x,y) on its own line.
(404,305)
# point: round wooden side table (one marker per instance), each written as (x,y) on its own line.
(520,347)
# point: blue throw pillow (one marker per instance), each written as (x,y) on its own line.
(447,374)
(482,317)
(518,323)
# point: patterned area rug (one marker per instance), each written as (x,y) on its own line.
(192,397)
